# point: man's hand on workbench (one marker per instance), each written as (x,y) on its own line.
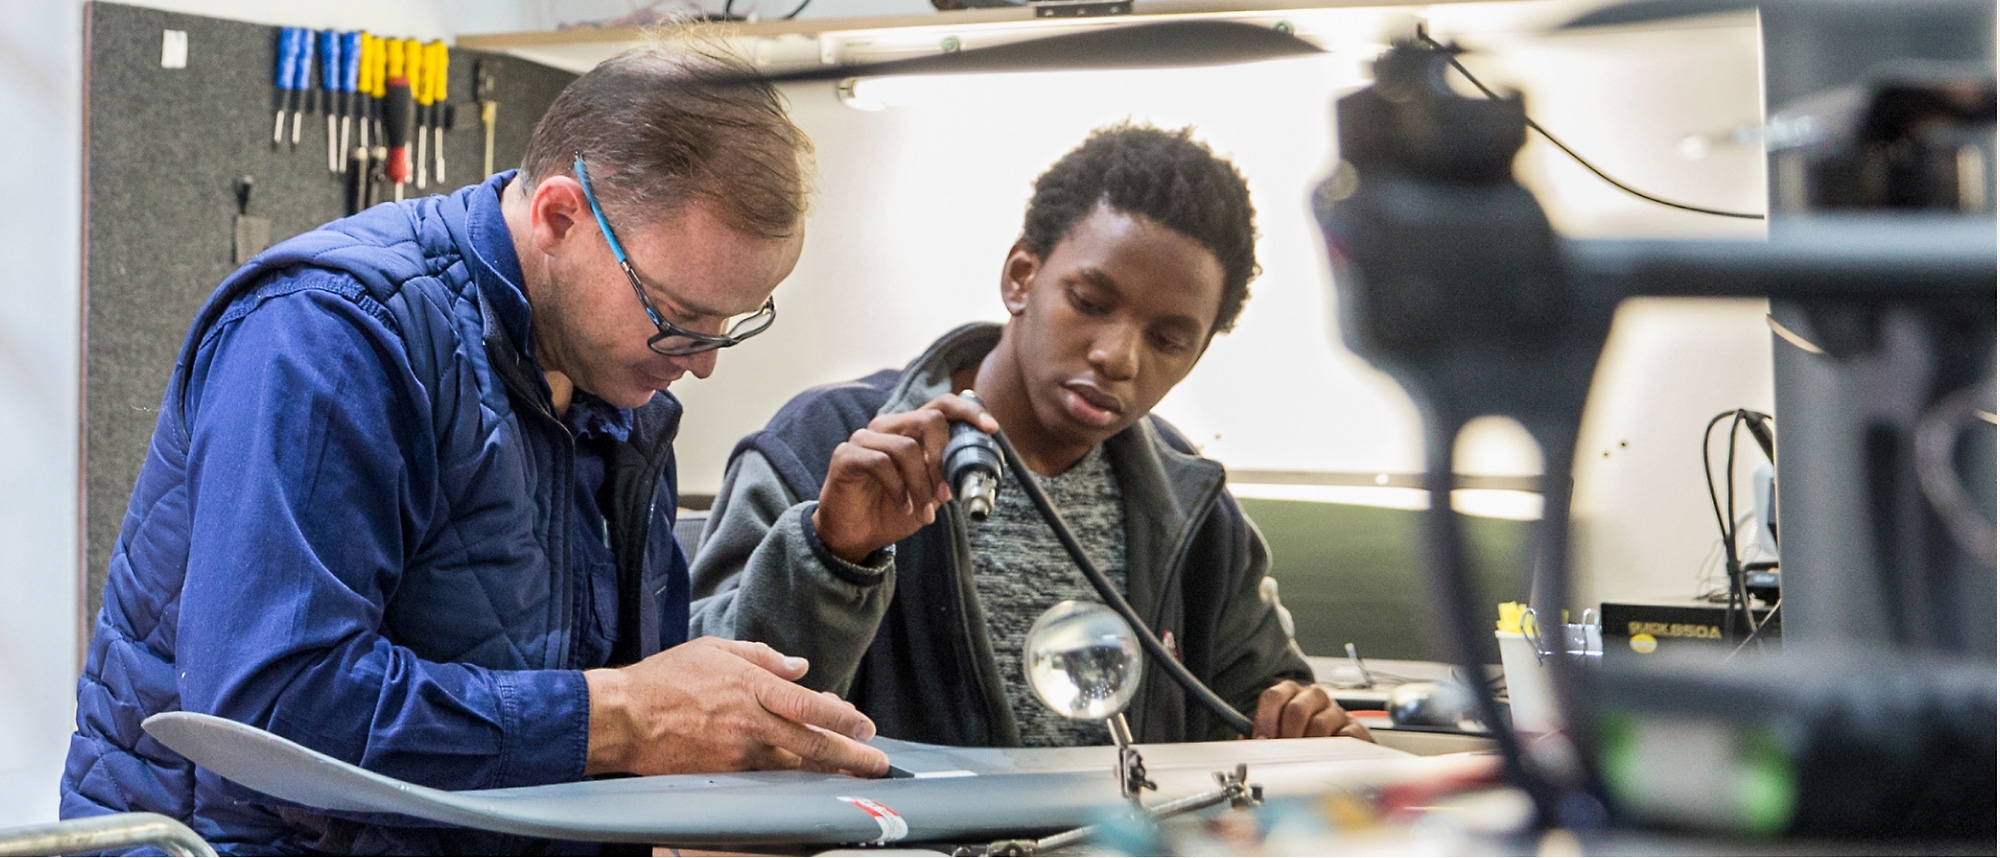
(1291,711)
(714,705)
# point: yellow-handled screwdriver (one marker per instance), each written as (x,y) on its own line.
(396,115)
(416,69)
(364,96)
(438,64)
(485,76)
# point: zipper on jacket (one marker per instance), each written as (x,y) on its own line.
(559,537)
(1169,582)
(1204,507)
(638,541)
(998,711)
(525,391)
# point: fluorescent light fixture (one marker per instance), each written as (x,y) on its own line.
(1487,503)
(1340,73)
(850,94)
(880,93)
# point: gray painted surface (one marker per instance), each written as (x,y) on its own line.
(956,793)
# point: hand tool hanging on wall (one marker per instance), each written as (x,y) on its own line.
(350,84)
(330,67)
(307,91)
(416,66)
(354,181)
(485,74)
(253,234)
(397,111)
(438,61)
(364,121)
(287,87)
(378,88)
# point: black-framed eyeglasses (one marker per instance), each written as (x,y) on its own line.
(673,340)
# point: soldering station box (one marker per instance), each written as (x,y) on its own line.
(1637,630)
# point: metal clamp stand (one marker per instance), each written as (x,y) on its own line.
(1131,771)
(1233,788)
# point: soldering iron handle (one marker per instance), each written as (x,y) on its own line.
(972,465)
(1149,641)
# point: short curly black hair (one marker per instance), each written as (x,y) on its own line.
(1167,176)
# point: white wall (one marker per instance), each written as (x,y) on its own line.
(41,93)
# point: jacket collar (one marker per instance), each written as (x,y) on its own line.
(496,269)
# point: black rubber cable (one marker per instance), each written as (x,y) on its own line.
(1739,595)
(1740,598)
(1538,129)
(1731,566)
(1147,640)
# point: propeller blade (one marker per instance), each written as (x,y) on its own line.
(1162,44)
(1651,11)
(1849,11)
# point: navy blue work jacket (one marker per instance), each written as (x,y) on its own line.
(360,526)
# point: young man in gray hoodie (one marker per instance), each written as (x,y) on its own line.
(834,539)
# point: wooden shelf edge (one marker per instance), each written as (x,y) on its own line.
(956,18)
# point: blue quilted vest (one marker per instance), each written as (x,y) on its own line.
(495,588)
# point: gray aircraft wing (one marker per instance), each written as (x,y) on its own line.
(937,793)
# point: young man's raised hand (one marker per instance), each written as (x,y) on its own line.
(886,480)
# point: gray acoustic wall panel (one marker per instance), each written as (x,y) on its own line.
(164,150)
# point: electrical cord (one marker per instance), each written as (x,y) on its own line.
(1116,600)
(1739,595)
(1711,561)
(1732,565)
(1739,598)
(1424,35)
(1936,441)
(1758,629)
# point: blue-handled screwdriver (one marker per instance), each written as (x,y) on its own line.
(350,84)
(288,63)
(329,66)
(302,76)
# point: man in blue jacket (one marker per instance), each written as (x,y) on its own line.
(410,498)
